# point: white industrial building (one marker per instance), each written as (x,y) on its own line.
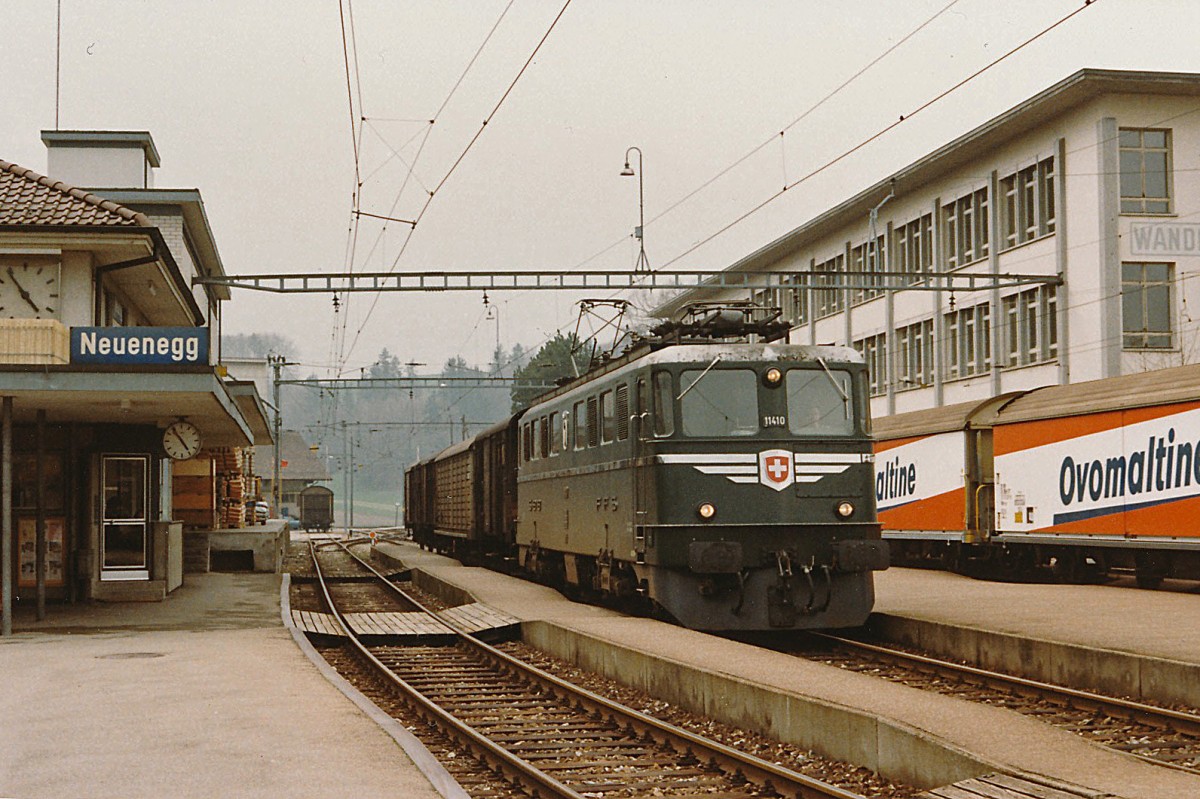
(1093,184)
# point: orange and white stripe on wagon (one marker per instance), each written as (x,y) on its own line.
(919,482)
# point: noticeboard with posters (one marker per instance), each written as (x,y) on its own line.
(27,538)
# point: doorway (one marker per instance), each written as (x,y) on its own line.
(124,554)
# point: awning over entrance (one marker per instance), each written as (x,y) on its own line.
(227,415)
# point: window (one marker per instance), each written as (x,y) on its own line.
(1030,326)
(794,301)
(719,402)
(914,355)
(664,405)
(965,229)
(1027,204)
(828,301)
(543,438)
(581,425)
(1146,305)
(874,352)
(526,442)
(608,417)
(914,248)
(968,342)
(866,261)
(819,402)
(1145,171)
(557,434)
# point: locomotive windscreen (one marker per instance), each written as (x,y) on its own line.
(720,403)
(819,402)
(723,403)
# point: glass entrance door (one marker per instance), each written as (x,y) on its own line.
(124,479)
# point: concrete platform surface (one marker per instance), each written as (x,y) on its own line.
(991,735)
(204,694)
(1161,623)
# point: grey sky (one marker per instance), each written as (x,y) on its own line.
(247,101)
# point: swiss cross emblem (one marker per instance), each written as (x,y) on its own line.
(775,468)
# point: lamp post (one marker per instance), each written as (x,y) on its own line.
(643,264)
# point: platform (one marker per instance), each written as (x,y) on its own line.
(203,694)
(927,739)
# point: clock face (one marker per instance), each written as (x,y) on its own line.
(181,441)
(29,290)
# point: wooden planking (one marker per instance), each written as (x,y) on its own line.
(314,622)
(1003,786)
(478,616)
(473,618)
(396,624)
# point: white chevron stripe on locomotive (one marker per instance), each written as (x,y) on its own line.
(774,468)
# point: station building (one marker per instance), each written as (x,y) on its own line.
(1093,184)
(109,388)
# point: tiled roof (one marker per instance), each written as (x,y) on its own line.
(27,198)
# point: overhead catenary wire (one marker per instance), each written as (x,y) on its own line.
(809,175)
(878,134)
(462,156)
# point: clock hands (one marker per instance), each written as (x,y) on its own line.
(25,295)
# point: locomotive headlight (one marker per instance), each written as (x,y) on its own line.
(707,510)
(772,376)
(845,509)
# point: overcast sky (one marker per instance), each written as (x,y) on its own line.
(248,102)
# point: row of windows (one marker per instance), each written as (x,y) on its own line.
(965,229)
(1027,211)
(1029,329)
(1027,204)
(592,422)
(1030,321)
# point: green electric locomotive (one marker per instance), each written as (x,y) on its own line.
(731,484)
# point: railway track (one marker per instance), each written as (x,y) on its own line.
(1159,735)
(546,735)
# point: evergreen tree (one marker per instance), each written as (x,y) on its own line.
(560,358)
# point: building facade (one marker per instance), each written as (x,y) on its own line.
(1091,188)
(108,381)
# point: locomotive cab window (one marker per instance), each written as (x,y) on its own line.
(819,402)
(719,402)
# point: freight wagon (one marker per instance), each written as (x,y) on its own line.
(1083,480)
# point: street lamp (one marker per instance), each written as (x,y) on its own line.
(643,264)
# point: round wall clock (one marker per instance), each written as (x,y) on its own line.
(29,290)
(181,440)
